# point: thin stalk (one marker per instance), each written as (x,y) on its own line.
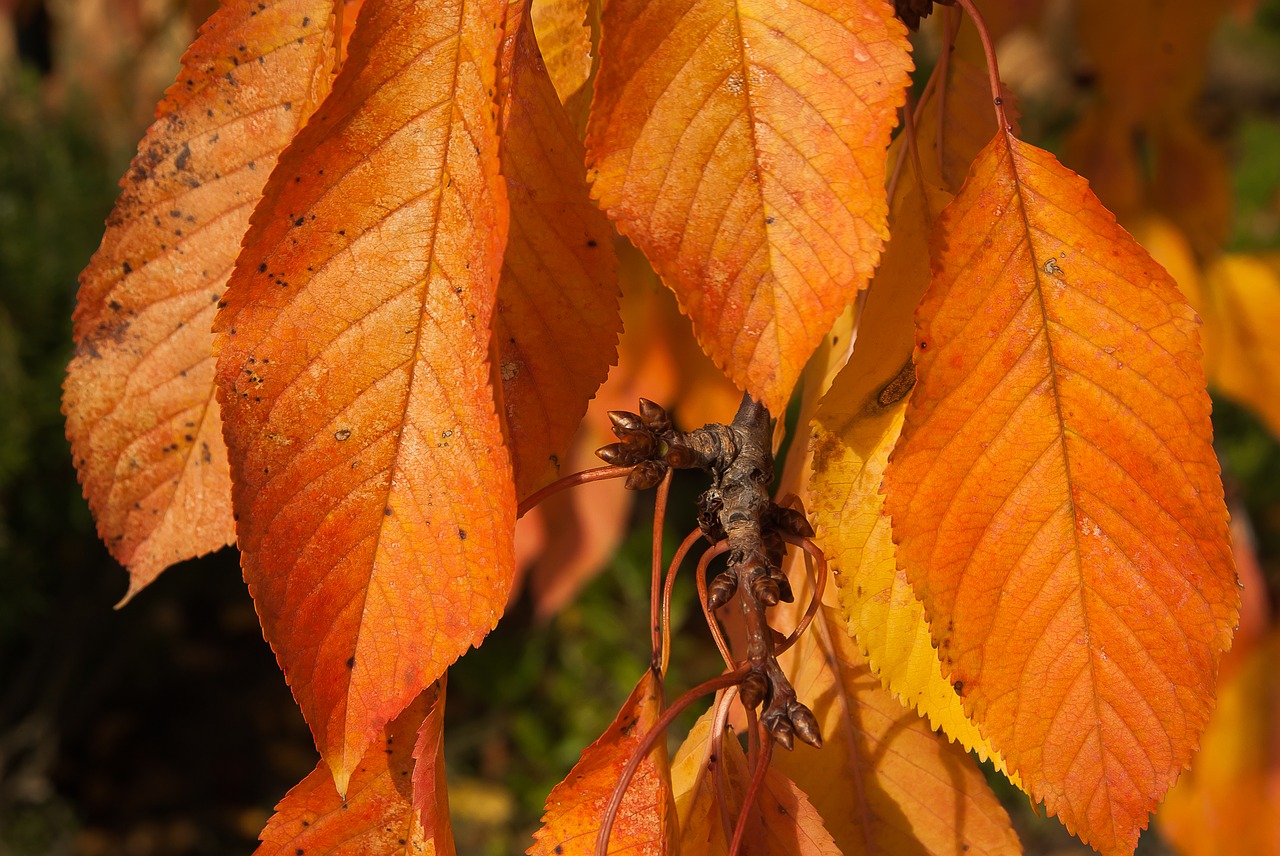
(584,477)
(753,790)
(685,546)
(727,679)
(819,578)
(993,70)
(656,635)
(712,622)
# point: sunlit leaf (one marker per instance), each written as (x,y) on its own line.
(741,147)
(565,37)
(883,780)
(373,491)
(575,808)
(856,427)
(556,323)
(782,820)
(1243,311)
(145,429)
(378,815)
(1230,800)
(1056,499)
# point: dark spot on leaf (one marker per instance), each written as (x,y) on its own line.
(299,221)
(351,662)
(591,242)
(342,434)
(462,534)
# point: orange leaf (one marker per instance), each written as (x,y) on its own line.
(883,780)
(141,416)
(374,495)
(567,30)
(1243,307)
(1230,801)
(378,815)
(1055,496)
(783,822)
(576,806)
(741,146)
(556,324)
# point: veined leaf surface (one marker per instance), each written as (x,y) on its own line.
(1055,496)
(741,146)
(557,322)
(145,428)
(378,814)
(374,494)
(883,780)
(857,425)
(783,821)
(646,822)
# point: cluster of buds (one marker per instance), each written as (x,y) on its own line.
(647,443)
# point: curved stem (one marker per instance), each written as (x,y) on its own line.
(656,636)
(819,577)
(712,623)
(993,70)
(595,474)
(683,550)
(753,790)
(726,679)
(719,723)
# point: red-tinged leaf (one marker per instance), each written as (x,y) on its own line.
(741,146)
(373,491)
(1055,496)
(430,790)
(782,821)
(575,808)
(379,816)
(141,415)
(556,324)
(883,780)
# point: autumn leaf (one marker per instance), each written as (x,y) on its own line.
(741,147)
(379,813)
(860,418)
(856,427)
(567,31)
(1230,799)
(576,807)
(374,495)
(782,820)
(1242,311)
(883,780)
(556,323)
(1055,497)
(145,429)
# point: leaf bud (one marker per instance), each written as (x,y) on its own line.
(783,732)
(640,443)
(614,454)
(655,416)
(626,420)
(766,590)
(805,723)
(721,590)
(752,690)
(792,522)
(645,475)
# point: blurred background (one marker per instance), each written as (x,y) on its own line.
(166,727)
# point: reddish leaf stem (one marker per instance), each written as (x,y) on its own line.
(993,70)
(726,679)
(819,578)
(584,477)
(668,588)
(657,640)
(712,622)
(719,724)
(753,790)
